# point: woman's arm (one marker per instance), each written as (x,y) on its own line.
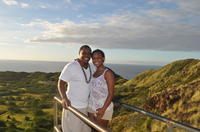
(109,77)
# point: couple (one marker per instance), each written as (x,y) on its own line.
(90,90)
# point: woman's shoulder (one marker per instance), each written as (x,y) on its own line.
(108,72)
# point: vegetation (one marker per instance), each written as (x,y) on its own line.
(172,91)
(26,102)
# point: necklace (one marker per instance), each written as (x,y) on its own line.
(86,80)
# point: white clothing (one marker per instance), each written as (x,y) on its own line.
(71,123)
(78,93)
(77,90)
(98,93)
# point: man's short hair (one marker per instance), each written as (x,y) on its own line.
(83,47)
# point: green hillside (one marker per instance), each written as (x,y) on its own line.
(26,99)
(172,91)
(26,102)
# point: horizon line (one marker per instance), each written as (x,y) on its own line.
(89,62)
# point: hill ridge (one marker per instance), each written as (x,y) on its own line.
(165,91)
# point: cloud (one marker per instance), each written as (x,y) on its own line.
(15,3)
(65,4)
(155,29)
(10,2)
(191,7)
(43,6)
(24,5)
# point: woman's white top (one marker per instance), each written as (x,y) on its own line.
(98,92)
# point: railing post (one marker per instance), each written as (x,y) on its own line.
(170,126)
(56,129)
(169,129)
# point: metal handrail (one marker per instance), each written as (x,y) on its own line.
(83,117)
(161,118)
(95,125)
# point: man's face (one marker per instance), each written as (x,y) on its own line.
(85,55)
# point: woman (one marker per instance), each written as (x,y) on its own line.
(100,106)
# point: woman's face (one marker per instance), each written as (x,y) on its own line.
(98,59)
(85,55)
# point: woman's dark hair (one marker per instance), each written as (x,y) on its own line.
(83,47)
(99,51)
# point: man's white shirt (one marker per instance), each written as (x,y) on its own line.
(77,89)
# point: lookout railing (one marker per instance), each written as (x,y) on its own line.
(171,124)
(80,115)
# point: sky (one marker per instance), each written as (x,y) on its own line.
(149,32)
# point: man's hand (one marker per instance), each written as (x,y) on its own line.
(66,103)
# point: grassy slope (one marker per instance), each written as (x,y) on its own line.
(22,88)
(172,91)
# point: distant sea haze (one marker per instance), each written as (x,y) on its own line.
(127,71)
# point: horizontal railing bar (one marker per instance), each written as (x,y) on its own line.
(161,118)
(84,118)
(57,130)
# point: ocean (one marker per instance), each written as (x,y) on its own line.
(127,71)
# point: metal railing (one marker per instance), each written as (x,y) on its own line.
(171,123)
(80,115)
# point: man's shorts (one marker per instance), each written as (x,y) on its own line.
(71,123)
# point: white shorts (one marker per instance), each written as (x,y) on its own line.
(108,113)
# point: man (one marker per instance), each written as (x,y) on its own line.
(77,74)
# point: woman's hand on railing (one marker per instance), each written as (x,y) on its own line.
(65,103)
